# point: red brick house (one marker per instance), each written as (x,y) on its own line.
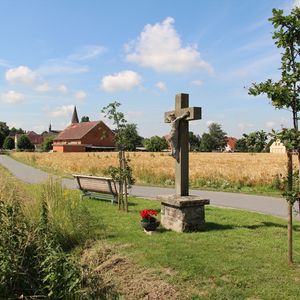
(231,143)
(85,136)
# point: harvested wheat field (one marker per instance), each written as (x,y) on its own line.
(206,169)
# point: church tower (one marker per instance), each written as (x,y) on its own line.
(75,116)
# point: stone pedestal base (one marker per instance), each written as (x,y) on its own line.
(183,213)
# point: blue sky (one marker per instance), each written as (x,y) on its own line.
(57,54)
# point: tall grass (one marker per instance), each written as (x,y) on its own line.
(36,233)
(220,170)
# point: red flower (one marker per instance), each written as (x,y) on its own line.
(147,213)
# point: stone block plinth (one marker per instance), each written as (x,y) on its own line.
(183,213)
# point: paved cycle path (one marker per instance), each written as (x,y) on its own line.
(263,204)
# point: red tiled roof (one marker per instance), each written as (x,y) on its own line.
(77,131)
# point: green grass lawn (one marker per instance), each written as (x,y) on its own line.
(241,255)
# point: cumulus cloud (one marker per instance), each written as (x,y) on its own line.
(297,3)
(21,74)
(62,111)
(159,47)
(12,97)
(44,87)
(125,80)
(87,52)
(80,95)
(197,82)
(161,86)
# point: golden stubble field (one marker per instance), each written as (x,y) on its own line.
(158,168)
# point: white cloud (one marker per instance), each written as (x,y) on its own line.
(12,97)
(160,47)
(87,52)
(62,111)
(197,82)
(297,3)
(80,95)
(44,87)
(125,80)
(21,74)
(62,88)
(161,86)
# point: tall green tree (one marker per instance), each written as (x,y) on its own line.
(131,137)
(218,136)
(194,141)
(284,93)
(155,144)
(256,141)
(206,144)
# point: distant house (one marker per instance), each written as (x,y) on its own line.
(277,147)
(231,143)
(86,136)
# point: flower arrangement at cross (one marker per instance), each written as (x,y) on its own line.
(148,215)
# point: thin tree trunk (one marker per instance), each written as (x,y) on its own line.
(290,207)
(125,184)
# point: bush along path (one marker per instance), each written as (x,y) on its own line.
(264,204)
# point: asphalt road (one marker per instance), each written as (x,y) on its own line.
(263,204)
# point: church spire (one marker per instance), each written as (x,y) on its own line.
(75,116)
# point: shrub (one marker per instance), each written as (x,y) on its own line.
(9,143)
(24,143)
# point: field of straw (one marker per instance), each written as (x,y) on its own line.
(223,169)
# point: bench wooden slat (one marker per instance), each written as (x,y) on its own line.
(95,184)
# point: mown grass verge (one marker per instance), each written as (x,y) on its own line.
(241,255)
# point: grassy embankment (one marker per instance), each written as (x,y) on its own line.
(238,172)
(242,255)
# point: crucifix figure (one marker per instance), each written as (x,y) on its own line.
(179,140)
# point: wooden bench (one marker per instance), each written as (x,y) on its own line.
(97,187)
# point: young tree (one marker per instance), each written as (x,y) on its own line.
(155,144)
(122,174)
(9,143)
(284,94)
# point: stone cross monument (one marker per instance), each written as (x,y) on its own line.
(183,113)
(181,212)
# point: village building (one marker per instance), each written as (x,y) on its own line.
(231,143)
(35,138)
(277,147)
(84,136)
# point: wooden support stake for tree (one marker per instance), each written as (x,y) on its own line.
(290,206)
(120,196)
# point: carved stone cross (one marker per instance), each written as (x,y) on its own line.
(182,163)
